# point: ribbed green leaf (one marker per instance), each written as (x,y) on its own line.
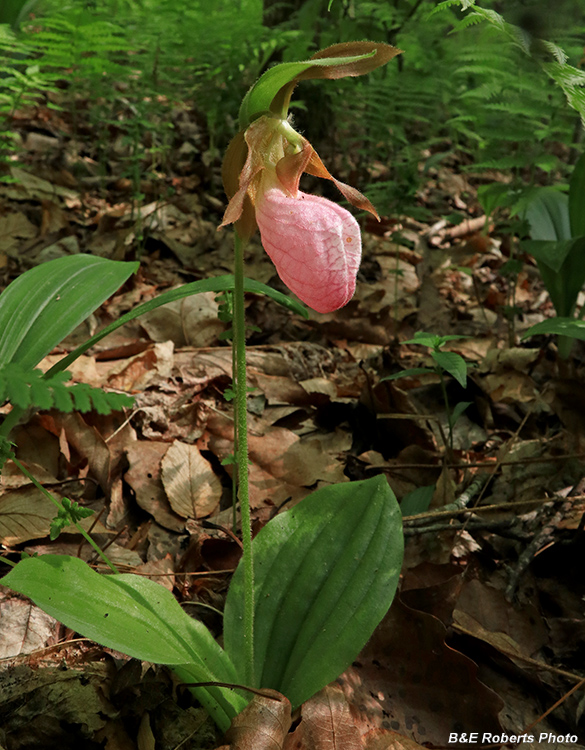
(325,572)
(564,284)
(417,501)
(548,215)
(130,614)
(577,198)
(569,327)
(552,253)
(46,303)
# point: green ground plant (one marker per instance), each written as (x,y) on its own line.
(22,83)
(557,230)
(317,579)
(449,363)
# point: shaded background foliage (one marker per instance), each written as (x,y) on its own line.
(465,91)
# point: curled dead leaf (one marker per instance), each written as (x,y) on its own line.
(262,725)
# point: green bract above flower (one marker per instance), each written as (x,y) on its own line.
(273,90)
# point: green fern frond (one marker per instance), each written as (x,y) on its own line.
(473,19)
(441,7)
(554,49)
(25,388)
(517,161)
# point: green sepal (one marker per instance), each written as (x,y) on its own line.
(271,93)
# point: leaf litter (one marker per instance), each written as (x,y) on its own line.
(487,633)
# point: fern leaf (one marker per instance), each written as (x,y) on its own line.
(63,400)
(441,7)
(24,388)
(81,398)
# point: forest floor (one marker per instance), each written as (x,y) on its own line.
(487,633)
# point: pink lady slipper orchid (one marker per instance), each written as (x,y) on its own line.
(314,243)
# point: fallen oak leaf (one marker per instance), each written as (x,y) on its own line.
(326,724)
(262,725)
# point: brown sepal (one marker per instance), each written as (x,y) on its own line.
(384,53)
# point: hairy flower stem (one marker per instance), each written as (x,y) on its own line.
(241,453)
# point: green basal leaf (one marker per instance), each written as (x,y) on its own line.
(452,363)
(133,615)
(408,373)
(569,327)
(272,90)
(43,305)
(215,284)
(325,573)
(565,284)
(548,215)
(417,501)
(577,198)
(552,253)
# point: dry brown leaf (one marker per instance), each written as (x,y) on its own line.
(262,725)
(144,370)
(433,589)
(407,679)
(154,569)
(327,724)
(283,464)
(30,187)
(89,444)
(25,514)
(191,321)
(145,738)
(485,612)
(15,227)
(143,475)
(25,628)
(192,487)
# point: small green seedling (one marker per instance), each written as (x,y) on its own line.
(445,362)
